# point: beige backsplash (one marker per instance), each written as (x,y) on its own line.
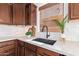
(13,30)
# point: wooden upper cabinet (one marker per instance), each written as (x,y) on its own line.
(5,13)
(33,14)
(24,14)
(27,14)
(73,11)
(19,14)
(30,14)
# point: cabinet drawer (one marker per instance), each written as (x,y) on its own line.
(31,47)
(6,48)
(45,52)
(6,43)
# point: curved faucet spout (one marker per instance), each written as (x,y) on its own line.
(43,28)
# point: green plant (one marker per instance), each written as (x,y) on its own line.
(61,24)
(28,33)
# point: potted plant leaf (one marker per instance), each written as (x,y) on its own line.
(61,25)
(29,34)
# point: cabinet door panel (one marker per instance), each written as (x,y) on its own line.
(6,43)
(30,14)
(45,52)
(30,47)
(33,14)
(10,52)
(18,14)
(5,13)
(29,52)
(74,11)
(21,51)
(8,48)
(20,48)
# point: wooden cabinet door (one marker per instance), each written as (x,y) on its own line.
(29,52)
(19,14)
(20,48)
(27,14)
(5,14)
(25,49)
(20,51)
(17,48)
(74,11)
(7,48)
(33,14)
(30,14)
(45,52)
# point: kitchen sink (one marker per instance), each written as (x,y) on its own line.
(46,41)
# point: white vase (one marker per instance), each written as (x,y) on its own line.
(62,37)
(28,36)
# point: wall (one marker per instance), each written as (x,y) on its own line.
(53,35)
(71,28)
(13,30)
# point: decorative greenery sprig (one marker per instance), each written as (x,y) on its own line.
(61,24)
(28,33)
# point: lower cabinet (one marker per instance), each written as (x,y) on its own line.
(20,51)
(20,48)
(30,50)
(8,48)
(25,49)
(45,52)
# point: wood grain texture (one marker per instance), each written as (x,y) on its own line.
(5,13)
(55,12)
(18,14)
(52,26)
(73,11)
(7,48)
(31,11)
(47,6)
(45,52)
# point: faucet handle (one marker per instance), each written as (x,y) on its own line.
(48,35)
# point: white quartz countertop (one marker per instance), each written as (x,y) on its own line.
(70,48)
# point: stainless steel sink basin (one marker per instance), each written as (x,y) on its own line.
(46,41)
